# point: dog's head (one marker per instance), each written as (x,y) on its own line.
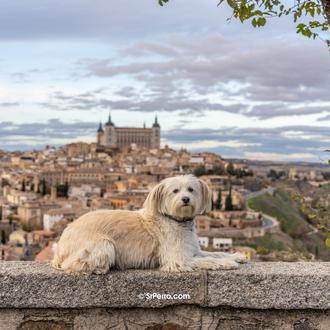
(180,197)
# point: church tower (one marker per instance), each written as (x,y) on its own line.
(110,139)
(100,135)
(155,138)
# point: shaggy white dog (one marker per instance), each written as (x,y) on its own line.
(161,235)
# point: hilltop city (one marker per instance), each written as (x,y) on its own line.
(266,211)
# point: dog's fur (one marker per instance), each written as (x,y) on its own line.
(161,235)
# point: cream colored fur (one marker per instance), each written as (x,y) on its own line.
(148,238)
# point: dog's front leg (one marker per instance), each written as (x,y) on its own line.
(174,259)
(176,250)
(211,263)
(238,257)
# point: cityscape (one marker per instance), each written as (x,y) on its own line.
(164,165)
(269,211)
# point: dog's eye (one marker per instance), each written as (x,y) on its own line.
(190,189)
(176,191)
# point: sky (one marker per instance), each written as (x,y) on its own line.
(215,84)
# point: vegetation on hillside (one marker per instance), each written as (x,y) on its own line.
(281,207)
(292,222)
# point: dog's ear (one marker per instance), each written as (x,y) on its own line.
(154,199)
(206,203)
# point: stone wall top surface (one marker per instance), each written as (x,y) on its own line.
(256,285)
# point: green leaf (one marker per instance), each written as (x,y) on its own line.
(261,21)
(327,242)
(232,4)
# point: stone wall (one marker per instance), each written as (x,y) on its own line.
(256,296)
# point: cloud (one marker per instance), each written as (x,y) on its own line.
(255,143)
(211,144)
(325,118)
(277,77)
(286,140)
(53,131)
(179,60)
(131,99)
(278,156)
(272,110)
(9,104)
(96,20)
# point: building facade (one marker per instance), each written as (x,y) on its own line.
(118,137)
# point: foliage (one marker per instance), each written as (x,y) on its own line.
(43,187)
(218,204)
(229,201)
(292,222)
(315,213)
(267,243)
(283,208)
(311,17)
(326,175)
(63,190)
(23,186)
(3,237)
(199,171)
(274,175)
(231,169)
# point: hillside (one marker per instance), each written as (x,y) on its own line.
(299,234)
(281,206)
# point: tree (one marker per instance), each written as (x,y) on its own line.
(23,186)
(218,204)
(229,201)
(231,169)
(3,237)
(43,187)
(212,204)
(311,17)
(63,190)
(199,171)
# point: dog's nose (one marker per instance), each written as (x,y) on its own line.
(185,200)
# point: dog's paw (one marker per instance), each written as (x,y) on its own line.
(239,257)
(225,264)
(175,268)
(214,263)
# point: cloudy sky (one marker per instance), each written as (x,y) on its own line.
(215,85)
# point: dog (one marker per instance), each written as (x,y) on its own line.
(160,235)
